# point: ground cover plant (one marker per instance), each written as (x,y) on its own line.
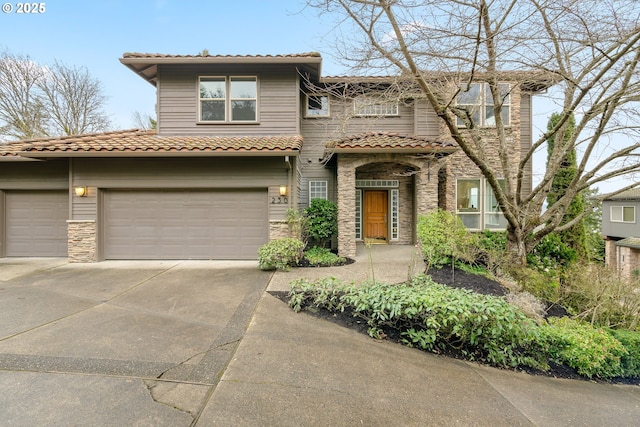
(488,330)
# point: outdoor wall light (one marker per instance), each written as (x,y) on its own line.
(283,190)
(80,191)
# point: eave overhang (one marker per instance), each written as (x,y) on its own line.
(146,64)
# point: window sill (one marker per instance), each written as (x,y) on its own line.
(235,123)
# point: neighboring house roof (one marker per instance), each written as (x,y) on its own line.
(379,142)
(633,194)
(146,143)
(146,64)
(629,242)
(9,151)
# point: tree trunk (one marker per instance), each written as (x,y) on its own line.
(516,246)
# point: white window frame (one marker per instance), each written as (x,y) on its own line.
(368,106)
(317,113)
(483,213)
(228,99)
(484,104)
(324,191)
(619,214)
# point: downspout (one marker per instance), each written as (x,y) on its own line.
(287,160)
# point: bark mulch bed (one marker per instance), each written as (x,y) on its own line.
(458,279)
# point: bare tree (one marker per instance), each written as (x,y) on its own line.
(22,112)
(588,49)
(144,121)
(74,100)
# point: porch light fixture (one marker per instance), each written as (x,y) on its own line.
(81,191)
(283,190)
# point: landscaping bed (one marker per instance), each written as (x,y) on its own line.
(462,280)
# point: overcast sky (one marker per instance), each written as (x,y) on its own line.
(95,34)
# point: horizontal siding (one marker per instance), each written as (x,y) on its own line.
(277,101)
(49,175)
(620,229)
(526,140)
(176,173)
(427,123)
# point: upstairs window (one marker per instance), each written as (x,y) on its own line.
(228,99)
(317,106)
(368,107)
(623,214)
(477,100)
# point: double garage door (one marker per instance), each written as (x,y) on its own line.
(184,224)
(36,223)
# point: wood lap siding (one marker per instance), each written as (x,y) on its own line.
(176,173)
(277,101)
(526,139)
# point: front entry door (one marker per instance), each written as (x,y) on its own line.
(376,208)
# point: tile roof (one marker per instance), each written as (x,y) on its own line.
(147,142)
(384,141)
(163,55)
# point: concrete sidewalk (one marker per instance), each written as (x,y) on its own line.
(296,370)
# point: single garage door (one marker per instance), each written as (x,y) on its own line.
(36,223)
(188,224)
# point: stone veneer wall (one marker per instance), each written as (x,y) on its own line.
(426,190)
(278,230)
(82,241)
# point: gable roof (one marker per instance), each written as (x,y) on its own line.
(633,194)
(145,143)
(146,64)
(629,242)
(378,142)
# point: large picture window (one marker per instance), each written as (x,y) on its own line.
(477,100)
(477,206)
(228,99)
(623,214)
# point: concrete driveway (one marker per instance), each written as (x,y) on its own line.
(118,343)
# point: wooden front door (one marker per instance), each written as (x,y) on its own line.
(376,208)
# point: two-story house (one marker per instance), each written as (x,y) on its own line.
(621,231)
(239,141)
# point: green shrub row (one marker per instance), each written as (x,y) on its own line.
(323,257)
(438,318)
(282,254)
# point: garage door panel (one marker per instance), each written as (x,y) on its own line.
(184,224)
(36,223)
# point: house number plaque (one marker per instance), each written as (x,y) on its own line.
(279,200)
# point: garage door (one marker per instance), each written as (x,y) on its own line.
(36,223)
(186,224)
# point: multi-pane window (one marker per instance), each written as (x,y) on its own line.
(623,214)
(317,190)
(317,106)
(228,99)
(477,100)
(477,206)
(371,106)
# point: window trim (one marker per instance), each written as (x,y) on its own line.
(228,118)
(482,212)
(374,102)
(317,116)
(325,183)
(482,105)
(622,208)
